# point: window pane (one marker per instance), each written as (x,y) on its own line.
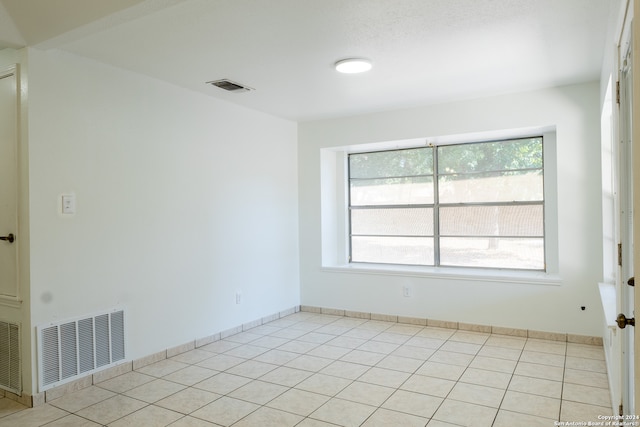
(492,252)
(384,164)
(489,205)
(524,220)
(521,186)
(392,250)
(490,156)
(392,191)
(404,222)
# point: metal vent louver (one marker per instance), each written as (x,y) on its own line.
(10,358)
(230,86)
(78,347)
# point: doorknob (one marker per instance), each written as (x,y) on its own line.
(622,321)
(631,281)
(9,238)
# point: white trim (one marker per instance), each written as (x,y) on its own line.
(449,273)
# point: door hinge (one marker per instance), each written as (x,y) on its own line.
(618,92)
(619,253)
(620,411)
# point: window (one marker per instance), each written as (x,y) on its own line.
(460,205)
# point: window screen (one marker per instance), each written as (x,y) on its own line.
(463,205)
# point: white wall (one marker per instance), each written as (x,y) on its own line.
(574,111)
(182,199)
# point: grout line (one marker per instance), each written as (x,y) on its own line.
(564,373)
(513,373)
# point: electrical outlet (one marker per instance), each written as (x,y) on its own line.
(406,291)
(238,297)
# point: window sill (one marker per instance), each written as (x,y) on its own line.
(471,274)
(608,297)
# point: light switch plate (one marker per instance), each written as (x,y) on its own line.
(68,204)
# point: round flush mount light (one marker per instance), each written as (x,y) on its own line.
(353,65)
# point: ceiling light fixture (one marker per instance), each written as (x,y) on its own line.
(353,65)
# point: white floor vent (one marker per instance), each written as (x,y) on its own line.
(76,348)
(10,358)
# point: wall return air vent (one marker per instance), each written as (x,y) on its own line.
(70,349)
(10,357)
(230,86)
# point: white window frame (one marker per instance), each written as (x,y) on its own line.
(335,213)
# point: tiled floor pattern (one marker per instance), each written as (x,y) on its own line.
(313,370)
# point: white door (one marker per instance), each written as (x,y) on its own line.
(8,185)
(635,130)
(626,188)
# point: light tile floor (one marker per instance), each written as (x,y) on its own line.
(313,370)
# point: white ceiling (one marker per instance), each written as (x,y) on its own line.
(424,51)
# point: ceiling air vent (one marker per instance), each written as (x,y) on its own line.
(230,86)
